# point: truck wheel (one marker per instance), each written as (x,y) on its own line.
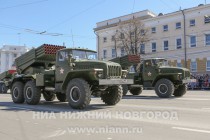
(32,94)
(78,93)
(48,96)
(125,89)
(4,88)
(112,95)
(180,91)
(1,88)
(136,90)
(17,93)
(61,97)
(164,88)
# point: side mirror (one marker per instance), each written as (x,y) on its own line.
(71,60)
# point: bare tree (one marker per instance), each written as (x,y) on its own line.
(130,35)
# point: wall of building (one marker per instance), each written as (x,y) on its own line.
(198,52)
(8,54)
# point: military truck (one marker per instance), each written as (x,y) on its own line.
(157,74)
(70,74)
(4,78)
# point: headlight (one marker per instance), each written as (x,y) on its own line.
(124,73)
(98,73)
(180,76)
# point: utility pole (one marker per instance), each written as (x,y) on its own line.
(19,38)
(185,45)
(115,45)
(97,43)
(72,37)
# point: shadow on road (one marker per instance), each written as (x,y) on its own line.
(146,97)
(54,106)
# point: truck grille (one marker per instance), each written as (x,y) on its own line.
(186,74)
(114,71)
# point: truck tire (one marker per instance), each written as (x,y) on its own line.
(78,93)
(61,97)
(4,88)
(136,90)
(32,94)
(17,93)
(0,87)
(164,88)
(48,96)
(112,95)
(180,91)
(125,89)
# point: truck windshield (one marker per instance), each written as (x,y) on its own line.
(160,62)
(80,54)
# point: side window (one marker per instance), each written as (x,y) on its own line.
(62,56)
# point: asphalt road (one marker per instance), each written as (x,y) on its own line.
(135,117)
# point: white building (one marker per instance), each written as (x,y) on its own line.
(8,53)
(183,37)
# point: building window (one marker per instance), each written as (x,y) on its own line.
(165,27)
(193,66)
(14,55)
(113,53)
(178,25)
(142,48)
(192,22)
(132,34)
(122,51)
(142,32)
(208,65)
(153,30)
(113,38)
(165,45)
(104,54)
(206,19)
(179,64)
(178,43)
(105,39)
(192,41)
(153,47)
(122,36)
(207,39)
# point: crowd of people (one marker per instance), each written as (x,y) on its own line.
(202,81)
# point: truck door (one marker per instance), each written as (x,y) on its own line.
(149,71)
(62,66)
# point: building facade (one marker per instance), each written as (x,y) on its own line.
(8,54)
(182,37)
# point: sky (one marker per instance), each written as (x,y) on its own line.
(35,22)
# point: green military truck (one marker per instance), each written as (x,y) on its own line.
(156,73)
(4,79)
(70,74)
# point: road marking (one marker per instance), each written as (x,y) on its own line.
(193,130)
(193,99)
(206,108)
(55,134)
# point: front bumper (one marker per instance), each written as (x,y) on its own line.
(188,81)
(115,81)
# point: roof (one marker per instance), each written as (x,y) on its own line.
(79,49)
